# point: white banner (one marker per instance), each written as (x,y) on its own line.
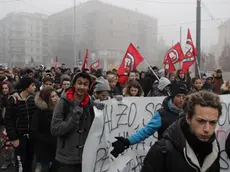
(123,119)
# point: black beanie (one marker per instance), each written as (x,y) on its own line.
(177,88)
(25,82)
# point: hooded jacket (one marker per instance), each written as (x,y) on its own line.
(173,153)
(45,143)
(18,116)
(224,89)
(159,88)
(161,120)
(71,131)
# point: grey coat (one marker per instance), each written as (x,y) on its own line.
(71,129)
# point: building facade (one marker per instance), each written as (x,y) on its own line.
(224,34)
(24,39)
(105,30)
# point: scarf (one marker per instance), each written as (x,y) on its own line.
(200,148)
(70,96)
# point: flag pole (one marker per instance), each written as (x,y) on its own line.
(198,67)
(151,69)
(138,48)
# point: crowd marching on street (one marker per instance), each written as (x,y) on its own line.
(46,115)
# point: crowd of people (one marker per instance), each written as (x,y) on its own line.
(47,115)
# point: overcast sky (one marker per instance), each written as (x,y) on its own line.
(171,14)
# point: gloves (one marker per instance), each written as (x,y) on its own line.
(77,112)
(119,146)
(118,97)
(98,105)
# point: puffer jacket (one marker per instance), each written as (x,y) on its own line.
(71,131)
(44,142)
(18,116)
(173,153)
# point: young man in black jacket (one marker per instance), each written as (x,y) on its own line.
(190,143)
(19,112)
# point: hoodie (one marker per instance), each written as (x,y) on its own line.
(71,129)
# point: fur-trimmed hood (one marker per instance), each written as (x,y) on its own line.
(41,104)
(224,88)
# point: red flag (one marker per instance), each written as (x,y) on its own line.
(130,62)
(175,54)
(170,66)
(56,64)
(85,60)
(95,65)
(191,53)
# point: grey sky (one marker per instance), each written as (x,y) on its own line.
(170,14)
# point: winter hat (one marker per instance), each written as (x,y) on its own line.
(25,82)
(178,88)
(163,82)
(102,85)
(80,74)
(218,70)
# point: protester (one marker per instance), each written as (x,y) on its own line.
(196,85)
(160,89)
(71,122)
(115,87)
(225,88)
(132,75)
(44,142)
(162,119)
(47,82)
(190,143)
(208,85)
(19,113)
(218,80)
(65,83)
(7,148)
(101,90)
(133,89)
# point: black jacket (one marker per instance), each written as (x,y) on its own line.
(168,116)
(44,142)
(173,153)
(18,116)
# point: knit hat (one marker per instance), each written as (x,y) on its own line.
(163,82)
(102,85)
(178,88)
(25,82)
(80,74)
(218,70)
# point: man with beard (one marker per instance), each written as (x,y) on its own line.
(190,143)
